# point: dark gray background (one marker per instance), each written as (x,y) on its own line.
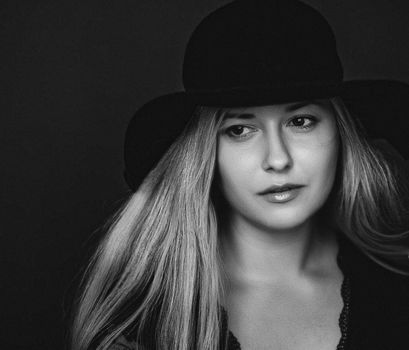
(73,74)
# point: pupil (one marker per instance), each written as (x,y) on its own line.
(238,129)
(298,121)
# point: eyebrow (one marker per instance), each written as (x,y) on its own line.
(291,108)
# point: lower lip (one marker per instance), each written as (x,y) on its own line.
(282,197)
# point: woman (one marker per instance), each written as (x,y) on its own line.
(265,216)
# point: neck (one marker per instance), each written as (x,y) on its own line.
(256,255)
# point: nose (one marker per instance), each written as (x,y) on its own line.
(277,156)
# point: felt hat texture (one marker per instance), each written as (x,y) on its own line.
(260,52)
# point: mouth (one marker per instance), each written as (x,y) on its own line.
(280,188)
(281,194)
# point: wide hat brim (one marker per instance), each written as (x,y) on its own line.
(380,107)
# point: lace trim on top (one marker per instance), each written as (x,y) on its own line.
(345,315)
(343,321)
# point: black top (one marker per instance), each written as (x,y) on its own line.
(375,315)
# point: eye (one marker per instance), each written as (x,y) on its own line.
(303,122)
(238,131)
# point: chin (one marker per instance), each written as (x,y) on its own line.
(284,223)
(285,217)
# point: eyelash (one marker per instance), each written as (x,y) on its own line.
(312,120)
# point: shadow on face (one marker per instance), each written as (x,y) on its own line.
(264,146)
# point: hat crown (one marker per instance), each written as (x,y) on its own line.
(258,43)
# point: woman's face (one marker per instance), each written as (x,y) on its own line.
(264,146)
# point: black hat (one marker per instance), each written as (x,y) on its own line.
(258,52)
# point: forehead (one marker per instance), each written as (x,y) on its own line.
(282,108)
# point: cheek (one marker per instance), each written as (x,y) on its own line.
(319,163)
(319,151)
(235,168)
(325,136)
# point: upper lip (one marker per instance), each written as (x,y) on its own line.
(280,187)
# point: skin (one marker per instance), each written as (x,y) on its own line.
(277,257)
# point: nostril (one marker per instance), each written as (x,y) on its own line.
(277,156)
(277,160)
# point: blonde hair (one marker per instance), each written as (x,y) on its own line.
(156,273)
(157,266)
(370,207)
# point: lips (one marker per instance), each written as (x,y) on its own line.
(280,188)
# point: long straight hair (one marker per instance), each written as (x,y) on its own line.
(371,207)
(157,272)
(157,269)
